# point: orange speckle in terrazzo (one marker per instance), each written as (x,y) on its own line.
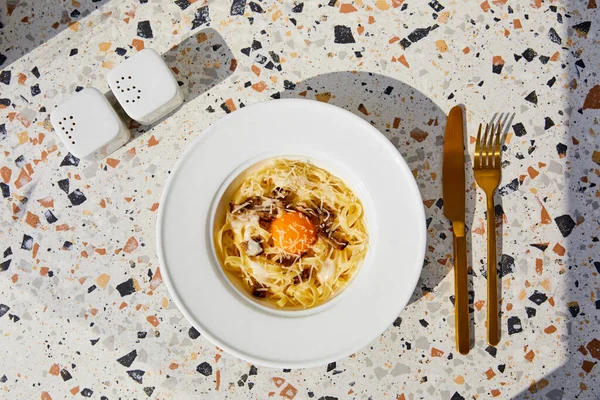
(550,329)
(14,278)
(74,390)
(153,320)
(32,220)
(441,46)
(496,393)
(218,379)
(100,250)
(74,26)
(278,381)
(397,3)
(382,5)
(479,304)
(466,50)
(104,46)
(259,86)
(360,29)
(23,137)
(485,6)
(256,70)
(347,8)
(154,207)
(156,279)
(459,379)
(22,179)
(394,40)
(323,97)
(102,280)
(230,105)
(6,173)
(113,162)
(47,202)
(122,305)
(21,78)
(436,352)
(35,250)
(152,141)
(480,230)
(131,245)
(173,366)
(559,249)
(490,374)
(530,356)
(138,44)
(289,392)
(539,266)
(45,396)
(54,370)
(402,60)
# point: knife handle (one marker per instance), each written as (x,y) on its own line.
(461,289)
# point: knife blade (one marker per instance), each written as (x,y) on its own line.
(453,192)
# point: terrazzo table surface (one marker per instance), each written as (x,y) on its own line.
(83,309)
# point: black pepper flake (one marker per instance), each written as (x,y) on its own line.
(492,351)
(5,77)
(87,392)
(73,52)
(553,36)
(548,123)
(136,375)
(238,7)
(27,242)
(35,72)
(532,98)
(126,288)
(70,160)
(331,366)
(3,309)
(538,297)
(65,375)
(5,189)
(506,264)
(256,8)
(457,396)
(574,308)
(149,390)
(343,34)
(298,8)
(4,265)
(35,90)
(144,30)
(583,28)
(128,359)
(514,325)
(204,369)
(201,17)
(120,51)
(193,333)
(565,224)
(529,54)
(77,197)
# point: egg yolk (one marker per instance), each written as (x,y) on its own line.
(293,232)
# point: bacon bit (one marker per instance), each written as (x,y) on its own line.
(156,279)
(32,220)
(131,245)
(530,356)
(490,374)
(436,352)
(153,320)
(74,390)
(256,70)
(138,44)
(6,173)
(347,8)
(278,381)
(259,87)
(558,249)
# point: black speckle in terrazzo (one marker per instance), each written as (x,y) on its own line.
(325,397)
(3,132)
(75,13)
(514,325)
(35,90)
(509,187)
(5,77)
(14,318)
(424,323)
(63,184)
(532,98)
(73,52)
(20,161)
(201,17)
(561,149)
(27,243)
(259,58)
(551,82)
(538,297)
(289,85)
(437,7)
(65,375)
(331,366)
(142,335)
(5,189)
(7,252)
(50,218)
(397,322)
(492,351)
(256,45)
(529,54)
(144,30)
(77,197)
(457,396)
(506,264)
(544,59)
(120,51)
(35,72)
(91,288)
(548,123)
(253,370)
(4,265)
(553,36)
(3,379)
(238,7)
(343,34)
(87,392)
(565,224)
(574,309)
(256,8)
(583,28)
(70,160)
(193,333)
(149,390)
(136,375)
(540,246)
(204,369)
(405,43)
(128,359)
(5,102)
(298,8)
(182,4)
(79,88)
(420,33)
(126,288)
(580,63)
(2,59)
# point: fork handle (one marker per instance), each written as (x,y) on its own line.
(493,332)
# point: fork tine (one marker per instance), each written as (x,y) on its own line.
(497,147)
(484,147)
(477,157)
(490,148)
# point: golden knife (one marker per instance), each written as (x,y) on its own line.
(453,183)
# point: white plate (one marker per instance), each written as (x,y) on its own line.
(349,148)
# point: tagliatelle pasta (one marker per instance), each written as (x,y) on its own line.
(294,235)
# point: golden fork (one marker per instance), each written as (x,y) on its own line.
(487,175)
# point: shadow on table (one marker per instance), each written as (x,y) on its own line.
(199,63)
(415,125)
(579,221)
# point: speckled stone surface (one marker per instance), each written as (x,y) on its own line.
(83,310)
